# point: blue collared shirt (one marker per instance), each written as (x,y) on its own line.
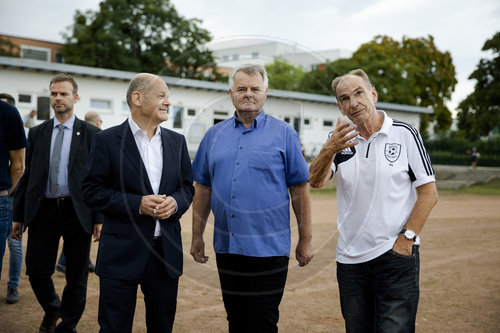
(249,172)
(62,176)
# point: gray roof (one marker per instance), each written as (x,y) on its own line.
(112,74)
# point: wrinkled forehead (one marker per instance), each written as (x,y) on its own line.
(351,83)
(252,79)
(158,85)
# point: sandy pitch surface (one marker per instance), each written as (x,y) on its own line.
(459,280)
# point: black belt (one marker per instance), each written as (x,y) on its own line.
(57,201)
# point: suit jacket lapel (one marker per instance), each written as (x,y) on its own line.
(76,138)
(168,156)
(45,142)
(129,149)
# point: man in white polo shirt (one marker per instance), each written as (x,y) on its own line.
(385,192)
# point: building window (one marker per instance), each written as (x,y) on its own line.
(220,113)
(220,116)
(236,57)
(225,58)
(23,98)
(286,120)
(307,121)
(255,55)
(177,116)
(35,53)
(327,123)
(59,57)
(125,108)
(43,108)
(101,105)
(191,112)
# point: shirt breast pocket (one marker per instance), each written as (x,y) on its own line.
(265,159)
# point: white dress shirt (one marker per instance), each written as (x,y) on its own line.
(152,156)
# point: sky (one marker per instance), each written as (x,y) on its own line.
(458,26)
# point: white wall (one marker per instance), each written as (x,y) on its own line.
(206,103)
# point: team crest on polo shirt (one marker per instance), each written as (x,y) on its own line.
(392,151)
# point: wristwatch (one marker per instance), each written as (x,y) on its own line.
(409,234)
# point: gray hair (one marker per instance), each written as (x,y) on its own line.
(249,69)
(356,72)
(139,83)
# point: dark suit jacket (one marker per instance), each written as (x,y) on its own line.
(33,183)
(114,186)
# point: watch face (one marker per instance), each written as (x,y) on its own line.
(409,234)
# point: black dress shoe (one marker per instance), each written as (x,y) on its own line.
(49,323)
(12,296)
(61,268)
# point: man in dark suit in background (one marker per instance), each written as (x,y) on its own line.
(140,178)
(49,202)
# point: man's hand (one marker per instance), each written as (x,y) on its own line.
(320,170)
(198,250)
(340,138)
(403,246)
(304,252)
(17,230)
(165,209)
(150,202)
(96,235)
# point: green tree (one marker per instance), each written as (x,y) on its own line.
(283,75)
(319,81)
(479,113)
(412,72)
(140,36)
(8,49)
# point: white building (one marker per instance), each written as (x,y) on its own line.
(196,105)
(235,51)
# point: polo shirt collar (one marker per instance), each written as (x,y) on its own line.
(386,125)
(256,122)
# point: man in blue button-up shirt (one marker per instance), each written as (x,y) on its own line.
(244,169)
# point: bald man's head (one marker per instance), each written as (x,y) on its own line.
(141,83)
(93,118)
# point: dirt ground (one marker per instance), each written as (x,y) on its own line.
(460,278)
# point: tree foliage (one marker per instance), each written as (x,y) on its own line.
(8,49)
(411,72)
(283,75)
(139,36)
(479,113)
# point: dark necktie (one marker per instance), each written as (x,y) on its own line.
(56,157)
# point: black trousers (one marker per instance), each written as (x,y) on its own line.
(53,221)
(117,299)
(252,288)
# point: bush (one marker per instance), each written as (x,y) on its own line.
(454,149)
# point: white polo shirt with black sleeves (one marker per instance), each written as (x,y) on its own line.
(376,181)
